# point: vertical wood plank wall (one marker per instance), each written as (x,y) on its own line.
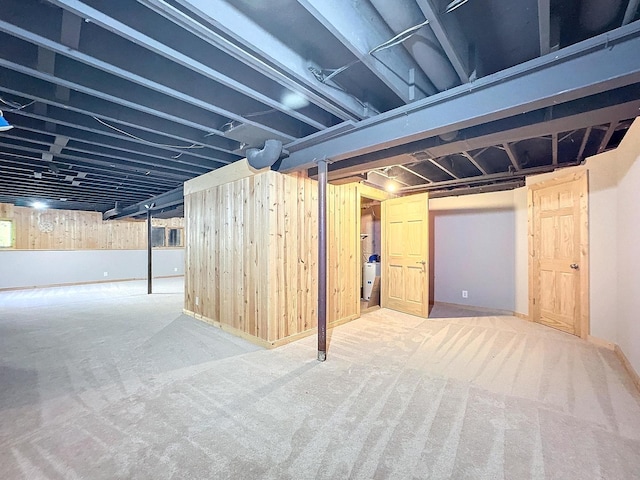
(77,230)
(252,253)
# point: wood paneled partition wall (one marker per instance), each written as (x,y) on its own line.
(251,253)
(77,230)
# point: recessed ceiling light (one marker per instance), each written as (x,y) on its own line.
(63,199)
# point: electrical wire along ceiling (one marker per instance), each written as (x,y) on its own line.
(109,104)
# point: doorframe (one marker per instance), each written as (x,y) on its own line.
(371,193)
(583,176)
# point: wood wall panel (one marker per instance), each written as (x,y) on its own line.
(50,229)
(252,255)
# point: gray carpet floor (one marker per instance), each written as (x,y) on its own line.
(106,382)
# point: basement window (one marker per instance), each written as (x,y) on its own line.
(174,237)
(6,234)
(157,236)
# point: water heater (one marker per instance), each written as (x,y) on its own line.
(370,270)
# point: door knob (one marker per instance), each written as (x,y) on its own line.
(574,266)
(422,262)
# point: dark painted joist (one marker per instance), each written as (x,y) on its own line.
(56,189)
(413,172)
(476,163)
(171,198)
(512,156)
(630,12)
(254,46)
(544,26)
(112,107)
(607,137)
(583,144)
(226,105)
(436,149)
(84,128)
(451,38)
(143,40)
(447,170)
(76,152)
(536,84)
(112,177)
(102,161)
(359,29)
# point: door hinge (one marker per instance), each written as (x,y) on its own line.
(534,301)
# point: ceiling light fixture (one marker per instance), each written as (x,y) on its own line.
(38,205)
(453,5)
(4,125)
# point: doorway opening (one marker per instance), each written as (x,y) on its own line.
(370,252)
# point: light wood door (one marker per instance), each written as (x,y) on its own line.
(559,254)
(405,256)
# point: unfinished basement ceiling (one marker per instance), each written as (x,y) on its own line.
(124,100)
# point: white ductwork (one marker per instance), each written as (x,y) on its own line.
(597,14)
(265,157)
(423,45)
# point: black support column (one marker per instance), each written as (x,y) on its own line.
(322,260)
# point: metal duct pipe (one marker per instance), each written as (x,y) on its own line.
(265,157)
(597,14)
(423,45)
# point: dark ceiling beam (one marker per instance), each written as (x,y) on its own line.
(602,63)
(86,144)
(544,26)
(84,128)
(512,156)
(145,127)
(90,181)
(496,187)
(607,137)
(361,30)
(413,172)
(484,179)
(80,171)
(145,81)
(139,38)
(107,157)
(583,144)
(96,98)
(474,161)
(434,148)
(172,198)
(121,165)
(448,171)
(57,189)
(630,12)
(451,37)
(249,43)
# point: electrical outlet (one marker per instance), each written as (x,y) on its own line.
(106,274)
(197,301)
(465,294)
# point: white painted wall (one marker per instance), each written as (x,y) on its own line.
(474,246)
(628,246)
(31,268)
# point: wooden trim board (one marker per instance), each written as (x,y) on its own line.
(599,342)
(635,378)
(53,285)
(227,174)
